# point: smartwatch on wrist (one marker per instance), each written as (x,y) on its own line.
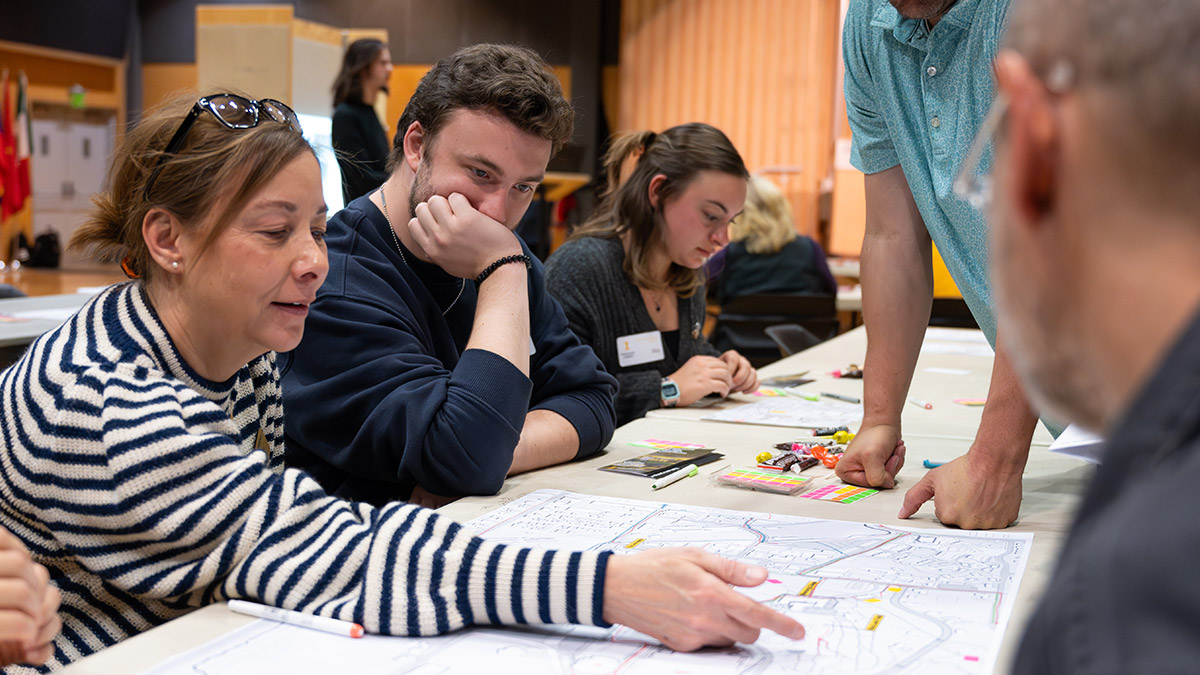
(669,392)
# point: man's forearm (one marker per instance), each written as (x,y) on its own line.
(897,282)
(502,316)
(1008,420)
(546,439)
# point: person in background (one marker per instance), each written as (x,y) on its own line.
(1094,238)
(918,84)
(28,606)
(463,370)
(631,279)
(358,137)
(144,437)
(766,254)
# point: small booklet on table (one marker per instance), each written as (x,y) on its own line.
(663,461)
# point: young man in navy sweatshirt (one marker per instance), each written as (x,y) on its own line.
(434,363)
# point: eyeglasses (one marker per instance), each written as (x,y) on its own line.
(231,110)
(974,180)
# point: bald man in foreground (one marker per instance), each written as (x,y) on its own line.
(1095,244)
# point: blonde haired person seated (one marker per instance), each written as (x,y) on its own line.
(766,254)
(145,435)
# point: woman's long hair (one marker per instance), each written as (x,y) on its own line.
(359,57)
(680,154)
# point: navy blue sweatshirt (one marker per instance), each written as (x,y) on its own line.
(381,396)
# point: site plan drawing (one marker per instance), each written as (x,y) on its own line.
(873,599)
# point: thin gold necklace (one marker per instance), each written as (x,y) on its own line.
(400,249)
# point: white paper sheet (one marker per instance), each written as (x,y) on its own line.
(956,341)
(55,314)
(793,412)
(955,335)
(957,348)
(873,599)
(947,371)
(1079,443)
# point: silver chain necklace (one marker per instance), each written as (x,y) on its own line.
(400,249)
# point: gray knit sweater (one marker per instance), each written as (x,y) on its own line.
(587,278)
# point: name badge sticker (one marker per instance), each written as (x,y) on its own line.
(639,348)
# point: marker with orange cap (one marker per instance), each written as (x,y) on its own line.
(336,626)
(918,402)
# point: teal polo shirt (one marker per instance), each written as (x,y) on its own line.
(916,98)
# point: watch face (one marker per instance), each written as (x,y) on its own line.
(670,390)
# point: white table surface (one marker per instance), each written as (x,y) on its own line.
(1052,485)
(849,299)
(24,331)
(844,267)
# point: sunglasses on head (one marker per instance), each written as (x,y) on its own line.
(231,110)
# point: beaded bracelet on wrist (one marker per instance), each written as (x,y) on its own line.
(501,262)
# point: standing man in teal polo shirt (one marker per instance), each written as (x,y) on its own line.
(918,85)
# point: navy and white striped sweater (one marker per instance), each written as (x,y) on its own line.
(139,485)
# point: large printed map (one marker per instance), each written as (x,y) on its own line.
(873,599)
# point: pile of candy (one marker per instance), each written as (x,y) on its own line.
(826,447)
(852,372)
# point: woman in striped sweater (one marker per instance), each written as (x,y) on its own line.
(144,436)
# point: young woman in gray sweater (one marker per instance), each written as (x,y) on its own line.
(630,279)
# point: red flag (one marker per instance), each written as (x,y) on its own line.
(8,155)
(23,134)
(3,144)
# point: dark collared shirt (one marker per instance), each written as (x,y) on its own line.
(1126,595)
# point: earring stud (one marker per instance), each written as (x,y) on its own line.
(174,264)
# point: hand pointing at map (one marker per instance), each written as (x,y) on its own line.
(681,597)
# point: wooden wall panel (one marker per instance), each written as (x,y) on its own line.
(763,71)
(161,80)
(316,61)
(56,68)
(245,47)
(52,72)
